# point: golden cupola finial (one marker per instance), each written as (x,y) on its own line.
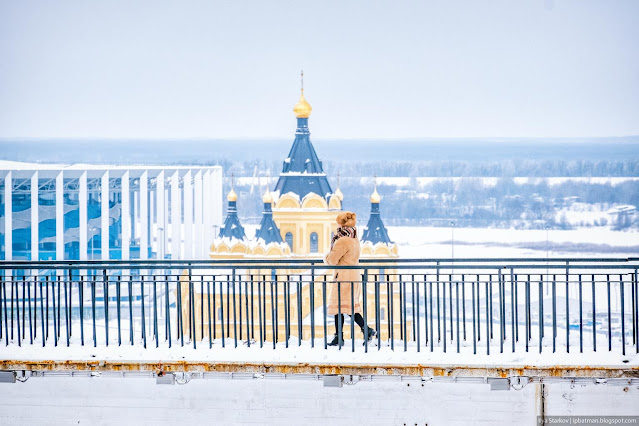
(375,197)
(302,109)
(232,196)
(267,198)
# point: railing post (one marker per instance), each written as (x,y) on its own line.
(364,294)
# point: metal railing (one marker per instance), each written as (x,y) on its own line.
(478,305)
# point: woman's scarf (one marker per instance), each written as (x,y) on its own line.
(344,231)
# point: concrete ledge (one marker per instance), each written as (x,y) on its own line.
(613,371)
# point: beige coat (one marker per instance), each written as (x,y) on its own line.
(345,251)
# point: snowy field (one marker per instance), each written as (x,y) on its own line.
(433,242)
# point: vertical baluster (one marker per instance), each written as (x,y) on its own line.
(215,309)
(287,308)
(208,297)
(155,312)
(474,324)
(457,313)
(339,317)
(352,314)
(95,337)
(55,320)
(81,305)
(259,309)
(450,299)
(402,288)
(67,313)
(248,323)
(489,314)
(192,333)
(632,299)
(554,314)
(234,312)
(527,322)
(513,308)
(515,298)
(41,313)
(416,333)
(439,336)
(490,285)
(180,321)
(567,311)
(463,298)
(430,311)
(391,323)
(46,290)
(202,307)
(69,305)
(444,314)
(299,311)
(274,315)
(623,316)
(426,312)
(28,284)
(401,309)
(131,323)
(59,305)
(594,317)
(118,305)
(609,315)
(252,299)
(412,294)
(479,309)
(541,311)
(228,307)
(143,313)
(275,303)
(222,311)
(167,311)
(581,324)
(364,294)
(312,300)
(2,319)
(324,309)
(378,313)
(240,307)
(501,315)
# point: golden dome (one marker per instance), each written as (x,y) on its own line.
(375,197)
(302,109)
(232,195)
(339,194)
(267,198)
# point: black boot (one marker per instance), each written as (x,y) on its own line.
(337,341)
(371,333)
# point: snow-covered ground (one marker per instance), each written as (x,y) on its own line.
(433,242)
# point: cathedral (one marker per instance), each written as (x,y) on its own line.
(299,215)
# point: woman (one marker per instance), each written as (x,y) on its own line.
(345,251)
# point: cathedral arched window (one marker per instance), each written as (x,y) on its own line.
(314,243)
(289,239)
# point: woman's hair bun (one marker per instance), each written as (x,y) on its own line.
(347,219)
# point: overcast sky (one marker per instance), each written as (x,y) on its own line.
(393,69)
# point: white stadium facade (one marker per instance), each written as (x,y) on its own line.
(108,212)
